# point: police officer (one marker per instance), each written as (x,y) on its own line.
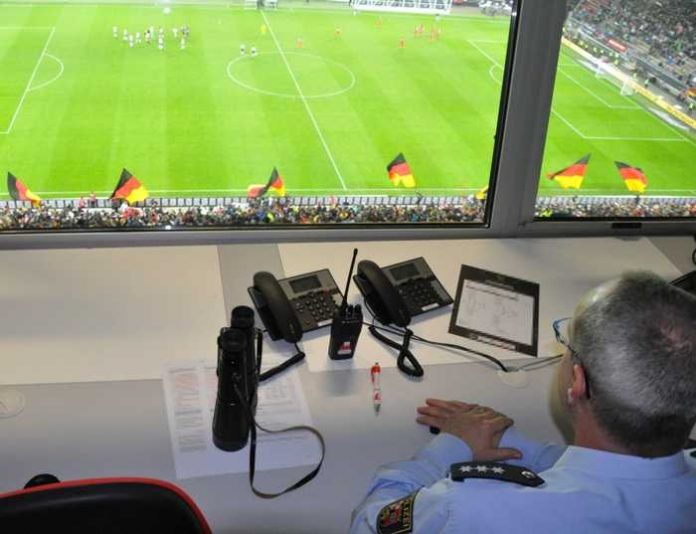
(627,379)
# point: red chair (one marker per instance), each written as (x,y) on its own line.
(100,506)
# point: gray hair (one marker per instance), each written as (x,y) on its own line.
(638,347)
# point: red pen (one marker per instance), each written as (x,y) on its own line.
(375,372)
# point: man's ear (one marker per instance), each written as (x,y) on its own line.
(578,386)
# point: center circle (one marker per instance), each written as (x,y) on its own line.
(268,74)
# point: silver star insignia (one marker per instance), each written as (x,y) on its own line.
(465,469)
(498,470)
(481,469)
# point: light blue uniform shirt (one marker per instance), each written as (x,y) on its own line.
(586,491)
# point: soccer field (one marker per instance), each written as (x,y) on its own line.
(77,105)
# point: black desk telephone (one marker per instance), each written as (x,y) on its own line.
(398,292)
(292,306)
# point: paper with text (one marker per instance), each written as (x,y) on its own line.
(496,311)
(190,393)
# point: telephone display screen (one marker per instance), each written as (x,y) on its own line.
(404,271)
(305,284)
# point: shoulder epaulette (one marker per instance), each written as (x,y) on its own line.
(495,471)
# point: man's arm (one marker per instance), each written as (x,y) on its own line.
(408,488)
(535,455)
(414,492)
(466,421)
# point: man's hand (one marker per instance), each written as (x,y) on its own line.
(479,426)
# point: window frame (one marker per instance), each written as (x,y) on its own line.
(523,116)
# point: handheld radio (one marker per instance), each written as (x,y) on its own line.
(346,325)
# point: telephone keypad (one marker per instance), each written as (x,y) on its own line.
(419,295)
(315,307)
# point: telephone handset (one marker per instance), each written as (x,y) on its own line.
(274,308)
(291,306)
(396,293)
(380,295)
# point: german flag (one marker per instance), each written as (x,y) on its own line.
(482,194)
(256,190)
(19,191)
(633,177)
(129,188)
(571,177)
(400,172)
(275,183)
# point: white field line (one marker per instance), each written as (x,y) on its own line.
(660,139)
(341,192)
(304,101)
(595,95)
(31,80)
(495,63)
(578,132)
(304,190)
(60,73)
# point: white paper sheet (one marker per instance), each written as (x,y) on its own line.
(496,311)
(190,392)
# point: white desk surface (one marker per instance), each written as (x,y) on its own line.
(565,270)
(119,428)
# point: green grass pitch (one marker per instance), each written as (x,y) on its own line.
(77,105)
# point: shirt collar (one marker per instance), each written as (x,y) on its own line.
(613,465)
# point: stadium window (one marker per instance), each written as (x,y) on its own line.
(255,113)
(620,142)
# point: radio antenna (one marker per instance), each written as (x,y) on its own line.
(350,275)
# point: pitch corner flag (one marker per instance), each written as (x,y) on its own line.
(571,177)
(400,172)
(129,188)
(633,177)
(19,191)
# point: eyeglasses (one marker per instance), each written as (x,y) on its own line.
(560,328)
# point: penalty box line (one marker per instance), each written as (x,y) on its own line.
(497,64)
(33,75)
(680,139)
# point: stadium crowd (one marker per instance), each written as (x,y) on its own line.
(668,27)
(608,207)
(249,213)
(268,212)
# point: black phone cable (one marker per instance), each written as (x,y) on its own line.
(488,357)
(293,360)
(413,368)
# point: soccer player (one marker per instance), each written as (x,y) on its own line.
(338,32)
(299,43)
(148,36)
(263,29)
(242,49)
(137,38)
(175,31)
(115,32)
(125,34)
(160,42)
(182,43)
(402,43)
(253,51)
(130,40)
